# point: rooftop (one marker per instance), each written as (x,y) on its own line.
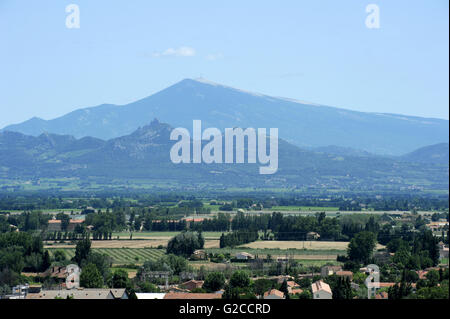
(320,285)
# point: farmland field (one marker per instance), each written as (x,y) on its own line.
(304,208)
(275,244)
(302,245)
(120,256)
(161,235)
(138,243)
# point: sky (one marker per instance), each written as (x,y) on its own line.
(318,51)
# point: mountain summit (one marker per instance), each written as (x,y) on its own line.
(300,123)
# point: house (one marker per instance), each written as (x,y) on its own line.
(374,287)
(181,295)
(312,236)
(56,272)
(382,295)
(422,274)
(439,225)
(345,274)
(293,287)
(199,255)
(148,296)
(443,251)
(80,293)
(321,290)
(55,224)
(193,284)
(295,291)
(326,271)
(244,256)
(273,294)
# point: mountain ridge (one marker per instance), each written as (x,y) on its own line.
(144,155)
(299,123)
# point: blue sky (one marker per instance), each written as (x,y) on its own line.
(317,51)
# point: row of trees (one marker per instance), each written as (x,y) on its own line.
(20,251)
(237,238)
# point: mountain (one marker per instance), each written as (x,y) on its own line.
(143,158)
(341,151)
(300,123)
(437,154)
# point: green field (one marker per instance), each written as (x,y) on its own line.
(120,256)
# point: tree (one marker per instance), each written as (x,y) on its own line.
(82,251)
(361,247)
(65,220)
(90,277)
(284,289)
(185,244)
(59,255)
(148,287)
(239,279)
(120,279)
(214,281)
(45,261)
(102,262)
(432,278)
(260,286)
(306,294)
(342,289)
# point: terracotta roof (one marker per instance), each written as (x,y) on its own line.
(291,283)
(422,274)
(78,294)
(296,291)
(196,283)
(54,221)
(382,295)
(386,284)
(320,285)
(181,295)
(344,273)
(274,292)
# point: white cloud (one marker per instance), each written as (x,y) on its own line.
(180,52)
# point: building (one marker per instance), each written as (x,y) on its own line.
(443,251)
(382,295)
(274,294)
(326,271)
(181,295)
(345,274)
(55,225)
(80,293)
(149,296)
(244,256)
(321,290)
(293,287)
(199,255)
(437,226)
(193,284)
(312,236)
(58,273)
